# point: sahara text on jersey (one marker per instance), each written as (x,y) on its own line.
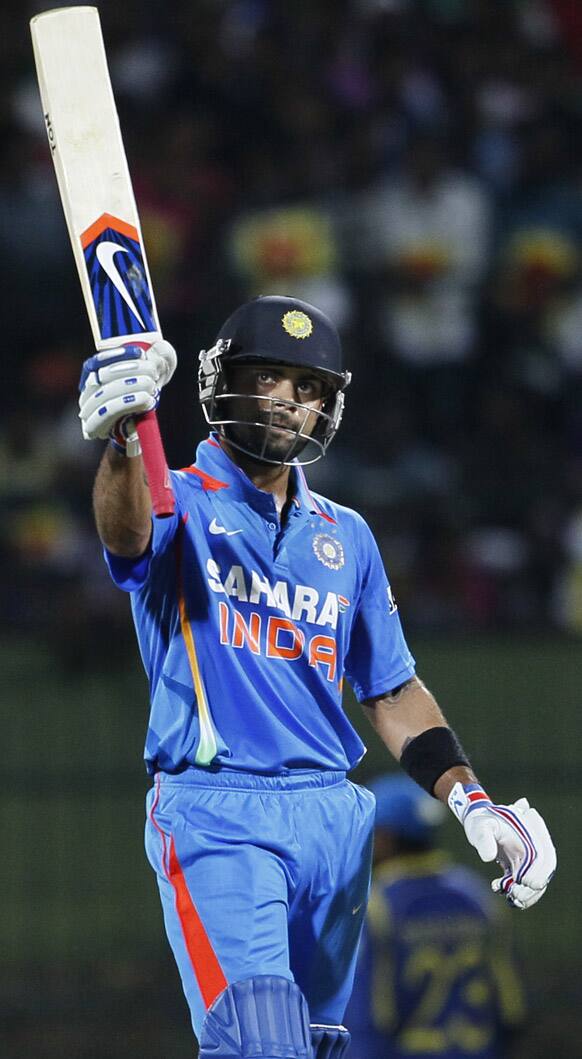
(282,638)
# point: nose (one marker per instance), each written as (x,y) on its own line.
(285,391)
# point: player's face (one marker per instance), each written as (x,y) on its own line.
(265,390)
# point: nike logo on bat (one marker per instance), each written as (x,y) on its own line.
(215,528)
(105,254)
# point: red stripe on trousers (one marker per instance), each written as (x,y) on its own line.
(209,974)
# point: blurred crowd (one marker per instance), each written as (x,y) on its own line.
(414,168)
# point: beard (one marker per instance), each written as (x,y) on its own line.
(266,444)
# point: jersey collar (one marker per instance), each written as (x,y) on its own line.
(217,471)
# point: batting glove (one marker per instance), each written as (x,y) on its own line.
(118,384)
(514,835)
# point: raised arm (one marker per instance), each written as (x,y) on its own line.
(116,385)
(122,504)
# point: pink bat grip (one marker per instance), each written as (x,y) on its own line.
(155,464)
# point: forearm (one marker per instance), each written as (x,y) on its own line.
(401,716)
(122,504)
(446,782)
(413,727)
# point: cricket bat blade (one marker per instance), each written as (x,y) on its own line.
(97,196)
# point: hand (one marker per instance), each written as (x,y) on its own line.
(514,835)
(118,384)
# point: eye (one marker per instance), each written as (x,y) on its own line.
(310,388)
(266,378)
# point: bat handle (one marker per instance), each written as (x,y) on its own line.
(156,468)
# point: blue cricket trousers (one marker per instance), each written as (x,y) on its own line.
(262,875)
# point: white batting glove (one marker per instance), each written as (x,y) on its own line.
(120,383)
(513,835)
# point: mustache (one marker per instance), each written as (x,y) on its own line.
(286,422)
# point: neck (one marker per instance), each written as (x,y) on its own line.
(270,478)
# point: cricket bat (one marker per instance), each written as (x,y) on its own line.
(98,201)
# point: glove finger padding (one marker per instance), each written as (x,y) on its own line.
(102,417)
(515,835)
(539,873)
(166,358)
(120,370)
(120,382)
(526,847)
(93,397)
(94,365)
(160,359)
(518,895)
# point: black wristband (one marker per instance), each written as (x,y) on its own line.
(430,754)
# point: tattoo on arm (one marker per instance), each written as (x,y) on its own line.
(391,698)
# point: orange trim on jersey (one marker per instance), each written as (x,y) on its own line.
(107,220)
(209,973)
(209,483)
(207,744)
(315,507)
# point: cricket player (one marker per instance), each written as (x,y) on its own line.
(252,604)
(436,974)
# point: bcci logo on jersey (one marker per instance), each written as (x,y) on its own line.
(329,551)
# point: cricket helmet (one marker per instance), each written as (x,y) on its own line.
(275,330)
(405,808)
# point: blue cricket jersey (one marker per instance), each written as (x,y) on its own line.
(246,628)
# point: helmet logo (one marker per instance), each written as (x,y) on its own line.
(297,324)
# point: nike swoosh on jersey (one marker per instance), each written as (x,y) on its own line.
(105,254)
(215,528)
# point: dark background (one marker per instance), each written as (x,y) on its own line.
(415,169)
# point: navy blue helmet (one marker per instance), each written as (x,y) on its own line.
(275,330)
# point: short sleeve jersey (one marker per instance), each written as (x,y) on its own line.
(247,628)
